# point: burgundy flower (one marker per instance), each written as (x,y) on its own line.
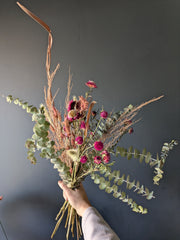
(131,130)
(98,145)
(78,116)
(71,105)
(104,114)
(97,159)
(91,84)
(82,125)
(128,122)
(94,113)
(83,159)
(79,140)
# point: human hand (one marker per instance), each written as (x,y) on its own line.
(77,198)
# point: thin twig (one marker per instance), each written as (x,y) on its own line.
(3,230)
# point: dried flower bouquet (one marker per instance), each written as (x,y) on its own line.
(81,142)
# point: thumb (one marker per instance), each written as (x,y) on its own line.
(61,184)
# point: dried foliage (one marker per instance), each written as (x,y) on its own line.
(81,142)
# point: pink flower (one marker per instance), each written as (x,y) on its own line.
(1,197)
(104,114)
(83,159)
(82,125)
(79,140)
(97,159)
(98,146)
(106,156)
(105,152)
(91,84)
(106,159)
(131,130)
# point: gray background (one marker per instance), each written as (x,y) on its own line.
(131,50)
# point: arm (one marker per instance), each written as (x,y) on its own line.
(93,225)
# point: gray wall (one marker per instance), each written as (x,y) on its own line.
(131,50)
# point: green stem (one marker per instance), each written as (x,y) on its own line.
(85,150)
(97,126)
(85,174)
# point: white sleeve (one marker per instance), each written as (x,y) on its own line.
(94,226)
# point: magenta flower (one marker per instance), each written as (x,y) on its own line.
(104,114)
(91,84)
(98,145)
(83,125)
(83,159)
(97,159)
(79,140)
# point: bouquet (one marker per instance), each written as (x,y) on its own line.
(81,141)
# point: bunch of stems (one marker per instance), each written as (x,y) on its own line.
(72,220)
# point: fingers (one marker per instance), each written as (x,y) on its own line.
(63,186)
(65,189)
(65,196)
(60,183)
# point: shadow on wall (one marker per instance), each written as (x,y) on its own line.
(31,216)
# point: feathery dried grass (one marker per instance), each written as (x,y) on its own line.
(114,133)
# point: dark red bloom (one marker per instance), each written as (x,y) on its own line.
(131,130)
(71,105)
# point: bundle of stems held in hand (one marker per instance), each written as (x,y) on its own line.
(81,141)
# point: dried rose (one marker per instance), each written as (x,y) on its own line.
(91,84)
(97,159)
(94,113)
(83,159)
(131,130)
(98,145)
(106,156)
(104,114)
(71,105)
(79,140)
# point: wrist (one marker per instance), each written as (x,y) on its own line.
(83,208)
